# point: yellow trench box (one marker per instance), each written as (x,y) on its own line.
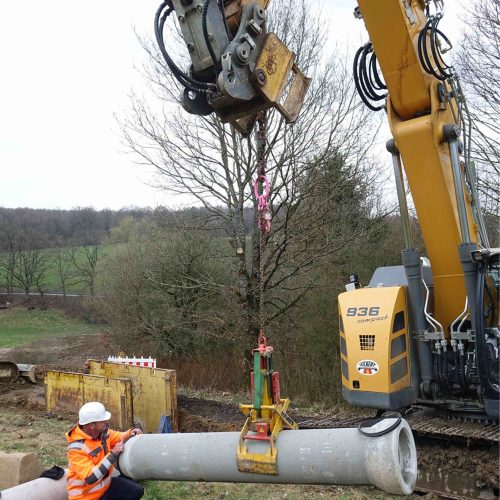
(154,391)
(66,391)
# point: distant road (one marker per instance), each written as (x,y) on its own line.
(53,294)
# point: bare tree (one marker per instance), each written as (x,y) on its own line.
(25,262)
(478,61)
(84,260)
(31,267)
(66,271)
(7,266)
(165,287)
(208,160)
(8,254)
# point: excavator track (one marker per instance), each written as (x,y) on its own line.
(442,439)
(458,430)
(469,432)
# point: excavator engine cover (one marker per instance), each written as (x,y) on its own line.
(374,345)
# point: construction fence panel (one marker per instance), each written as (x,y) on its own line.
(65,391)
(154,391)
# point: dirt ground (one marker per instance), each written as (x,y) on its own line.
(25,425)
(65,352)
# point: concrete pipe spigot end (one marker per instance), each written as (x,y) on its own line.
(42,488)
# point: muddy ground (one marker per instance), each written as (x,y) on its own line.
(25,425)
(67,352)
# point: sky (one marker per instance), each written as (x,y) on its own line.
(67,71)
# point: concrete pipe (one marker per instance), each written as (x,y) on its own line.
(39,489)
(319,456)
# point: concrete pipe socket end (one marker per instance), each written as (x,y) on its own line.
(393,471)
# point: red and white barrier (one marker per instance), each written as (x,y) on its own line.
(146,362)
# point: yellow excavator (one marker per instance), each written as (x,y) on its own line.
(426,332)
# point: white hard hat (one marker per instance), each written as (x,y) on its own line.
(92,412)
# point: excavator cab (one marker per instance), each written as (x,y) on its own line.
(237,67)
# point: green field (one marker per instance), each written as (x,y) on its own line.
(52,280)
(19,325)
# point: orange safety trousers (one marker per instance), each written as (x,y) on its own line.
(90,462)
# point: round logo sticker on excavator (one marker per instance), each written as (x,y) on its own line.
(367,367)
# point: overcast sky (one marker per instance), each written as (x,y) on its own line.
(67,68)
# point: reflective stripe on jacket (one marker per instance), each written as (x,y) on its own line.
(90,463)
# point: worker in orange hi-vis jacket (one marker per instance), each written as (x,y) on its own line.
(92,452)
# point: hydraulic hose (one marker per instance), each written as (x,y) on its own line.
(372,421)
(184,80)
(366,80)
(223,14)
(456,364)
(493,306)
(365,76)
(445,366)
(441,65)
(437,357)
(482,358)
(377,83)
(462,374)
(204,28)
(435,66)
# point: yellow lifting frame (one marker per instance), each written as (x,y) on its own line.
(263,463)
(266,417)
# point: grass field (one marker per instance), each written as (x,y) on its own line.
(52,280)
(19,325)
(156,490)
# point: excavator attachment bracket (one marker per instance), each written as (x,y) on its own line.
(279,80)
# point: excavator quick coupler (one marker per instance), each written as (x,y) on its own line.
(237,68)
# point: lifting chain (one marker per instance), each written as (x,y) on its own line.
(267,415)
(261,191)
